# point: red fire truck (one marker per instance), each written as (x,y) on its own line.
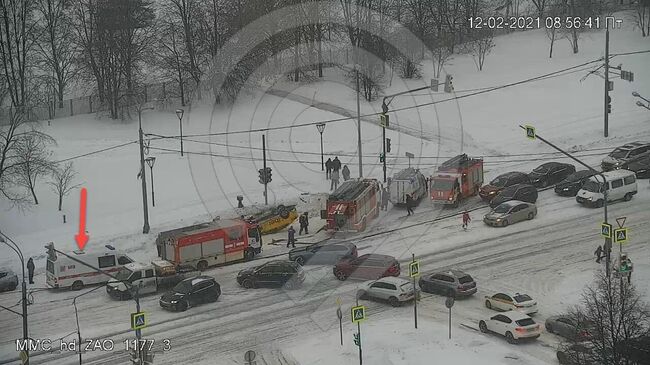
(352,206)
(456,179)
(219,242)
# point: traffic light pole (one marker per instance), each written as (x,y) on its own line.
(266,180)
(606,118)
(384,150)
(359,333)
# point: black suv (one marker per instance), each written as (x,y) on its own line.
(523,192)
(272,274)
(573,183)
(617,158)
(191,292)
(323,254)
(550,173)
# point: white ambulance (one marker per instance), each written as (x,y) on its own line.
(63,272)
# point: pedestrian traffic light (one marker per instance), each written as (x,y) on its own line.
(609,104)
(357,339)
(387,145)
(382,157)
(449,86)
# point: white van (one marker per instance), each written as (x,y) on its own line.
(63,272)
(621,184)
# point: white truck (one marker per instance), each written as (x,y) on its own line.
(148,278)
(408,181)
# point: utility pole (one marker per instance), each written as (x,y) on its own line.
(321,129)
(143,175)
(607,99)
(151,161)
(356,68)
(266,180)
(6,240)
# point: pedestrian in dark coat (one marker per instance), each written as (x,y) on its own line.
(466,219)
(384,199)
(336,164)
(598,253)
(328,168)
(334,177)
(409,204)
(304,223)
(30,269)
(346,173)
(291,238)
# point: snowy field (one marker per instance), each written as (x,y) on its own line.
(549,257)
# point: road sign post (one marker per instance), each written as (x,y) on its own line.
(358,314)
(249,357)
(606,230)
(339,314)
(530,132)
(620,235)
(414,272)
(138,320)
(449,303)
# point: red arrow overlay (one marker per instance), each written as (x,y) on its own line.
(82,237)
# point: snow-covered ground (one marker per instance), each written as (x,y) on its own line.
(549,257)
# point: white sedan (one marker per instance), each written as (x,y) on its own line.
(518,302)
(392,289)
(511,324)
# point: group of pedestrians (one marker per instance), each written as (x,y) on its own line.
(332,168)
(624,263)
(303,220)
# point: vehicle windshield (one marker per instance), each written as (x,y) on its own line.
(441,184)
(619,153)
(503,208)
(540,171)
(525,322)
(522,298)
(123,274)
(577,176)
(500,181)
(593,186)
(184,287)
(465,279)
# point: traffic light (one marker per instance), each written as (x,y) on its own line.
(609,104)
(384,120)
(262,176)
(449,85)
(357,339)
(381,157)
(265,175)
(268,175)
(387,145)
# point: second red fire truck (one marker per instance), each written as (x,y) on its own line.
(456,179)
(352,206)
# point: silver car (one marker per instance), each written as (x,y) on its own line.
(8,280)
(568,327)
(510,212)
(395,290)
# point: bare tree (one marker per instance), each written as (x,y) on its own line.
(642,16)
(540,5)
(62,181)
(33,160)
(481,46)
(617,315)
(170,55)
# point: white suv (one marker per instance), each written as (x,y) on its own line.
(392,289)
(513,325)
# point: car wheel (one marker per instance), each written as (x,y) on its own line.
(488,305)
(482,326)
(202,265)
(361,294)
(340,275)
(531,215)
(510,338)
(549,328)
(182,306)
(248,284)
(394,302)
(628,197)
(300,260)
(77,285)
(505,223)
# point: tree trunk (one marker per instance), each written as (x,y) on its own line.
(60,201)
(31,189)
(550,52)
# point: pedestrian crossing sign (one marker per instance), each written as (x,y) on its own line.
(414,269)
(606,230)
(358,314)
(530,131)
(138,320)
(620,235)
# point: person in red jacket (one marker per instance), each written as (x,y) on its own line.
(466,219)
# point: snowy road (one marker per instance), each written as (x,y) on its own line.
(550,258)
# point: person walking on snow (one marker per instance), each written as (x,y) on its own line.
(30,269)
(466,219)
(384,199)
(336,164)
(346,173)
(291,239)
(409,204)
(334,177)
(598,253)
(328,168)
(304,223)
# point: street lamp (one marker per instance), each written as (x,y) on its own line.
(76,314)
(638,103)
(321,129)
(151,161)
(16,249)
(179,114)
(145,208)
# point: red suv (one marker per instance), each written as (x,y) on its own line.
(369,267)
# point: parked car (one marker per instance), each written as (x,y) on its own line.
(573,183)
(568,327)
(8,280)
(640,165)
(621,184)
(510,212)
(370,266)
(452,283)
(323,254)
(575,354)
(522,192)
(622,154)
(516,302)
(191,292)
(513,325)
(550,173)
(394,290)
(273,274)
(489,191)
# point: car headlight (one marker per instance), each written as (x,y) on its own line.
(174,301)
(498,219)
(590,198)
(450,197)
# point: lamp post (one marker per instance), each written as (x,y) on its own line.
(145,208)
(179,114)
(14,246)
(321,129)
(76,314)
(151,161)
(639,103)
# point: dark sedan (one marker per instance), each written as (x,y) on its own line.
(489,191)
(272,274)
(573,183)
(550,173)
(191,292)
(323,254)
(523,192)
(640,166)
